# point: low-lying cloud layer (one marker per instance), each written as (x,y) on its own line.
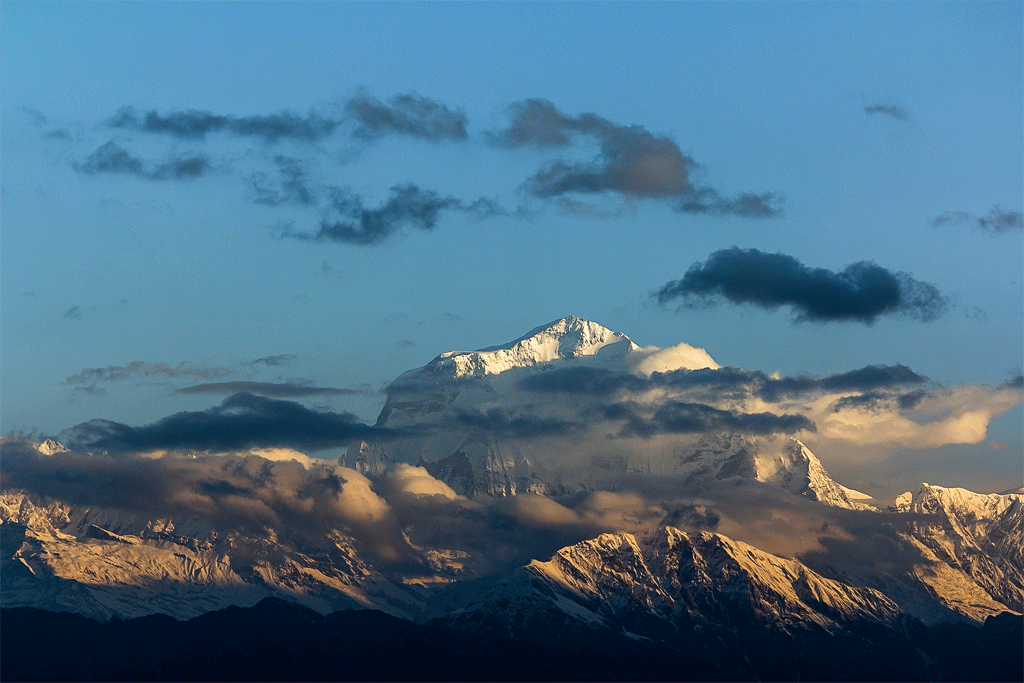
(861,292)
(394,517)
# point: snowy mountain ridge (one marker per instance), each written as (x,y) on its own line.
(569,337)
(672,577)
(479,429)
(58,557)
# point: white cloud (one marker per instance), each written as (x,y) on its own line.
(405,478)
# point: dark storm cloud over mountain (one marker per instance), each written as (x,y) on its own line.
(681,417)
(242,420)
(727,381)
(861,292)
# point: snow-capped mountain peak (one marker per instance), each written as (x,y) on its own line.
(569,337)
(49,447)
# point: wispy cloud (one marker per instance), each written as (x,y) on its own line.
(996,222)
(893,111)
(279,359)
(291,186)
(409,114)
(633,162)
(111,158)
(861,292)
(196,124)
(138,368)
(270,389)
(37,117)
(350,222)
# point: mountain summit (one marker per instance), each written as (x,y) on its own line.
(569,337)
(521,418)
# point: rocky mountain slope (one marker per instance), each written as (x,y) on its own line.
(668,581)
(510,460)
(102,563)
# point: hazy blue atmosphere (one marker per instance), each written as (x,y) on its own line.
(301,201)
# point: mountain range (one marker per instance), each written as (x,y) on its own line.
(632,469)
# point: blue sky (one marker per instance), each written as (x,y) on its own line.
(880,132)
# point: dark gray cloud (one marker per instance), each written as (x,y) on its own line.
(112,158)
(409,114)
(279,359)
(350,222)
(746,205)
(891,110)
(633,162)
(196,125)
(138,368)
(271,389)
(505,423)
(292,185)
(241,421)
(872,400)
(909,400)
(877,401)
(38,118)
(680,417)
(727,382)
(996,222)
(1015,382)
(181,168)
(865,379)
(861,292)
